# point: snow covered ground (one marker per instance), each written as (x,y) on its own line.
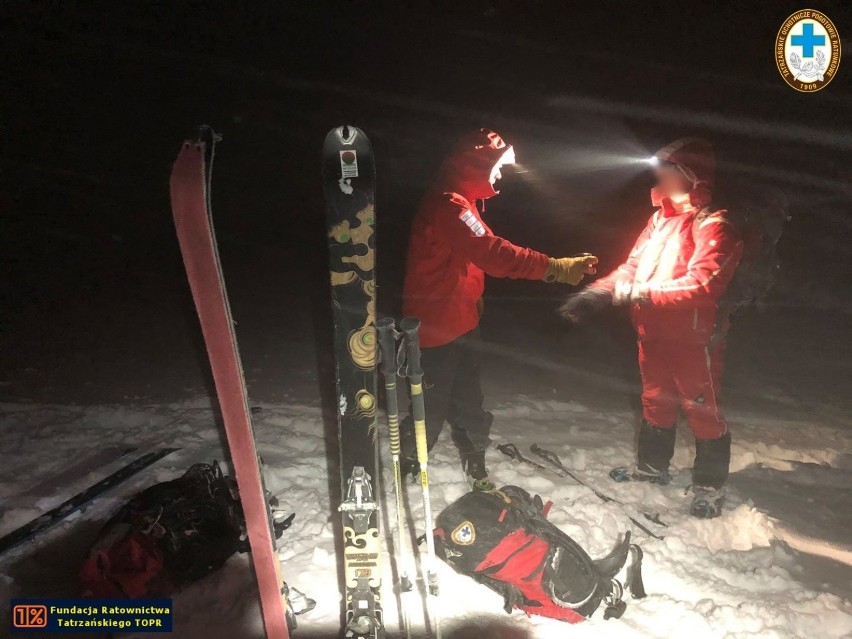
(734,577)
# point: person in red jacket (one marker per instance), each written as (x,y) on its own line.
(450,252)
(673,279)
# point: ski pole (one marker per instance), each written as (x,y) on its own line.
(553,459)
(512,452)
(410,327)
(387,348)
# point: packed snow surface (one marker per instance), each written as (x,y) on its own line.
(735,577)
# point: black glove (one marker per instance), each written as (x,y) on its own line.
(579,307)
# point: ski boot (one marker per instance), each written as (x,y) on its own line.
(707,501)
(476,473)
(656,448)
(712,459)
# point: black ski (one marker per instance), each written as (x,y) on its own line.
(72,475)
(349,188)
(80,500)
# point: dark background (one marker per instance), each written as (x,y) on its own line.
(98,97)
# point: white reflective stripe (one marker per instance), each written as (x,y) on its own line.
(720,269)
(473,223)
(713,219)
(713,390)
(661,287)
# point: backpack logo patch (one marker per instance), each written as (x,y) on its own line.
(464,534)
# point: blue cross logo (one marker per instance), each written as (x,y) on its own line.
(807,40)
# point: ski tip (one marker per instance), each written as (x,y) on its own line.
(346,135)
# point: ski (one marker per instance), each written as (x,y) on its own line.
(513,452)
(74,474)
(190,199)
(80,500)
(348,175)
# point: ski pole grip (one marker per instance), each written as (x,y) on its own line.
(410,326)
(549,455)
(387,345)
(511,451)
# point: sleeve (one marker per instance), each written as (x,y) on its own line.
(627,270)
(718,249)
(471,237)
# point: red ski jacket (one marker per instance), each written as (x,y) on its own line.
(451,248)
(686,255)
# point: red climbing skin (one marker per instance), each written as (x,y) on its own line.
(203,269)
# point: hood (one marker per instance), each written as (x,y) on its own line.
(694,157)
(697,161)
(468,168)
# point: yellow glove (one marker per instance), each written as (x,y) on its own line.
(570,270)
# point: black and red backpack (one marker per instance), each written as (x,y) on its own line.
(169,534)
(503,540)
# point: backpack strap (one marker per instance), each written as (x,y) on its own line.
(610,565)
(710,215)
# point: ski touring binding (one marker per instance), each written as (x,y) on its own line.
(364,617)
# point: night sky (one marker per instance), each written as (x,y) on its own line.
(98,97)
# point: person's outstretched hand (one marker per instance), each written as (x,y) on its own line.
(570,270)
(580,306)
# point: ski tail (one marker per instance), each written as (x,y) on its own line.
(79,501)
(190,199)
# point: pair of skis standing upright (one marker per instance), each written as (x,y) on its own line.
(349,189)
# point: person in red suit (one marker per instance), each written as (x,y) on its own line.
(673,280)
(451,250)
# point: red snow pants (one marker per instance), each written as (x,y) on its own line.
(683,375)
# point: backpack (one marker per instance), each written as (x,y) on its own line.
(503,540)
(758,215)
(170,534)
